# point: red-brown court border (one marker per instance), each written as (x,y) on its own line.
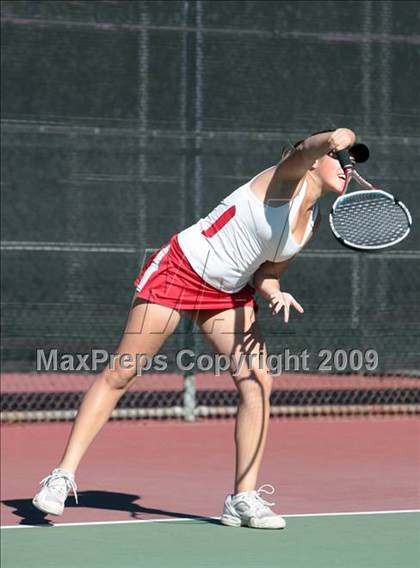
(152,470)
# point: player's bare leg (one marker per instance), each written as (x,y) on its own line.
(148,327)
(234,333)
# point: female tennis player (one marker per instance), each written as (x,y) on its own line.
(210,271)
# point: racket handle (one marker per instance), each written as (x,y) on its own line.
(343,157)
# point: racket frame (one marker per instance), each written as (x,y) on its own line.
(369,187)
(347,164)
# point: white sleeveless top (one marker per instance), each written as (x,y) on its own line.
(227,247)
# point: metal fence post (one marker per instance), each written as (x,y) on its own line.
(189,397)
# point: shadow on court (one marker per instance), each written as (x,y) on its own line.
(103,500)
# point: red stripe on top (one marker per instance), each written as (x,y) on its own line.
(220,222)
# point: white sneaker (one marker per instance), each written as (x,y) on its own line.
(55,488)
(251,510)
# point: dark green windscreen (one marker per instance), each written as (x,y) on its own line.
(124,122)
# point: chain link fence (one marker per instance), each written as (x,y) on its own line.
(54,397)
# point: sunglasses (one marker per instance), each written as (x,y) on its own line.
(333,155)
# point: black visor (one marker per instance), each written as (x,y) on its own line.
(360,153)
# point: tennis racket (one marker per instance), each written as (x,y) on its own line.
(370,219)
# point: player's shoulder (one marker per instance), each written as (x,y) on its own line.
(268,185)
(237,194)
(261,181)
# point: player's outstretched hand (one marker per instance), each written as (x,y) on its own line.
(279,300)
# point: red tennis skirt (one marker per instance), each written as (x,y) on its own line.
(168,279)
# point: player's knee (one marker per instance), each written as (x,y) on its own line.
(121,373)
(255,385)
(119,379)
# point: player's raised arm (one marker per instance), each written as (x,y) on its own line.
(296,162)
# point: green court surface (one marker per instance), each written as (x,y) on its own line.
(388,540)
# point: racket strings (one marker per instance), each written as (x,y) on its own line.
(370,220)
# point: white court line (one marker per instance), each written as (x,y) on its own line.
(94,523)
